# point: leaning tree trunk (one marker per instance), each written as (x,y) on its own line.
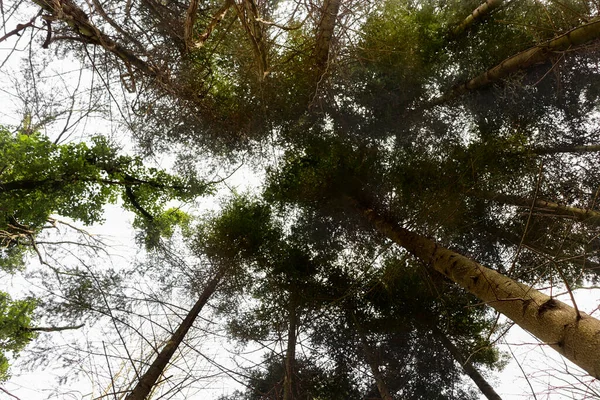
(480,12)
(576,335)
(592,148)
(483,385)
(290,354)
(525,59)
(148,380)
(325,30)
(584,215)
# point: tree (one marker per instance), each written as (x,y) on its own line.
(392,126)
(317,180)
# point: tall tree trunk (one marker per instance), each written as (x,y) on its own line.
(584,215)
(325,29)
(290,354)
(574,335)
(384,392)
(467,366)
(525,59)
(480,12)
(593,148)
(147,381)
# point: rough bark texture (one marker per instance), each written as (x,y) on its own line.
(290,354)
(469,369)
(575,335)
(480,12)
(527,58)
(147,381)
(588,216)
(324,36)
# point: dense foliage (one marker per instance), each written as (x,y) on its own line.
(383,128)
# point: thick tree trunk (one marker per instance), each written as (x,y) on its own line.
(480,12)
(290,354)
(575,335)
(525,59)
(584,215)
(469,369)
(147,381)
(384,392)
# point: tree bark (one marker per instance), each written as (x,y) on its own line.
(290,354)
(467,366)
(587,216)
(324,36)
(72,15)
(525,59)
(574,335)
(567,149)
(480,12)
(147,381)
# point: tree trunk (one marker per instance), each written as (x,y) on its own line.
(594,148)
(290,354)
(53,328)
(325,30)
(372,361)
(587,216)
(525,59)
(147,381)
(480,12)
(469,369)
(575,335)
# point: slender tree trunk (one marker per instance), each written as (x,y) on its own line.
(575,335)
(147,381)
(480,12)
(467,366)
(218,17)
(324,36)
(584,215)
(594,148)
(525,59)
(53,328)
(290,354)
(384,392)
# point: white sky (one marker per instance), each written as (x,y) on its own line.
(543,366)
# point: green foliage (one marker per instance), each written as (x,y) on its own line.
(15,333)
(39,178)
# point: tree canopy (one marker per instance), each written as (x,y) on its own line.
(421,167)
